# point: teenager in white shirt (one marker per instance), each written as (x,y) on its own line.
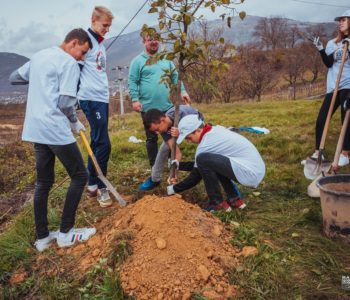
(222,156)
(93,96)
(53,76)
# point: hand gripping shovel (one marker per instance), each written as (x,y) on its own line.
(100,175)
(312,190)
(314,168)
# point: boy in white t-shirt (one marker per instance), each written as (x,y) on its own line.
(93,96)
(53,76)
(222,156)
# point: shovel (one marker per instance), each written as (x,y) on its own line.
(312,190)
(100,175)
(313,168)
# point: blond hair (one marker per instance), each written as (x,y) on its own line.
(100,11)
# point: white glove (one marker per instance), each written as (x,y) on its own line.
(346,104)
(176,162)
(170,190)
(346,40)
(77,126)
(318,43)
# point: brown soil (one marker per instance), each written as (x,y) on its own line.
(177,249)
(338,187)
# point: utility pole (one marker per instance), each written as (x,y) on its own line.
(121,94)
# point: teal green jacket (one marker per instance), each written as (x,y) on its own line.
(144,83)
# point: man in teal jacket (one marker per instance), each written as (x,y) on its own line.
(147,91)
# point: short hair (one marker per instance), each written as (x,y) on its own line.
(78,34)
(152,116)
(100,11)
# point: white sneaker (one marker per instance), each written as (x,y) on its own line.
(103,198)
(74,235)
(42,244)
(314,156)
(343,160)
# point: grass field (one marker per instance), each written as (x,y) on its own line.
(295,261)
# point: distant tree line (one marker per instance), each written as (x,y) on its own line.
(281,56)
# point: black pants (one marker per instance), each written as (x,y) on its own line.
(70,157)
(322,116)
(215,168)
(151,143)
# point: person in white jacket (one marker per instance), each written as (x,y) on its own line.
(222,156)
(50,118)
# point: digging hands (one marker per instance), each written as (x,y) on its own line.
(77,126)
(174,131)
(318,44)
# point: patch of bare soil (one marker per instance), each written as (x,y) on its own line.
(176,249)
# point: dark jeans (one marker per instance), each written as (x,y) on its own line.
(97,115)
(70,157)
(215,168)
(151,143)
(322,116)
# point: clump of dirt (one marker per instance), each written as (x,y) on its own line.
(177,249)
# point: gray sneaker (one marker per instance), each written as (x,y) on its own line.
(103,198)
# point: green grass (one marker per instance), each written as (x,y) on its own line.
(295,260)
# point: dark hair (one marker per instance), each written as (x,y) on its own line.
(78,34)
(152,116)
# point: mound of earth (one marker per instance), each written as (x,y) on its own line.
(176,250)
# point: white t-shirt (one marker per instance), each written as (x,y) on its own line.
(337,50)
(246,162)
(93,77)
(51,72)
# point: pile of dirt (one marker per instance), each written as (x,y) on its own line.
(176,249)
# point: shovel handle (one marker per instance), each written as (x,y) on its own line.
(335,92)
(341,140)
(91,154)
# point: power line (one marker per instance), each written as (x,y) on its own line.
(318,3)
(119,34)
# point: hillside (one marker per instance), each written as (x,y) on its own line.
(10,62)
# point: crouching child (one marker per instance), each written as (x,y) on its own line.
(222,157)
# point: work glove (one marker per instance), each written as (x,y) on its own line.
(77,126)
(317,43)
(176,163)
(346,40)
(170,190)
(346,104)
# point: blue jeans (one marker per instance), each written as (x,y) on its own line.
(70,157)
(97,115)
(215,168)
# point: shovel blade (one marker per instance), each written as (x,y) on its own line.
(113,191)
(312,169)
(312,190)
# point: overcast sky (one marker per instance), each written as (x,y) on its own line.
(27,26)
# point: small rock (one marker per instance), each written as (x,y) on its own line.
(160,296)
(95,253)
(249,251)
(132,285)
(210,254)
(18,277)
(186,295)
(177,282)
(219,289)
(203,272)
(217,230)
(161,243)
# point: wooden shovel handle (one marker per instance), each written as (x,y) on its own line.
(341,140)
(91,154)
(335,92)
